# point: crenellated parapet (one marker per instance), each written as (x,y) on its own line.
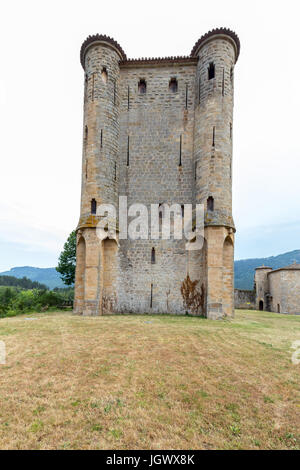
(218,33)
(103,40)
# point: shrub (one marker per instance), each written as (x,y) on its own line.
(14,301)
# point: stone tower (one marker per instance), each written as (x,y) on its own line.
(158,131)
(262,287)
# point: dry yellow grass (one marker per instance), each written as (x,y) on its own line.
(149,382)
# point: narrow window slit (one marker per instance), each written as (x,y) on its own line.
(86,83)
(223,83)
(211,71)
(180,151)
(104,75)
(153,256)
(93,206)
(160,211)
(101,138)
(186,96)
(86,86)
(151,296)
(210,204)
(214,136)
(173,85)
(115,176)
(128,151)
(142,87)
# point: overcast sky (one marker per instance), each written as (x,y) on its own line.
(41,104)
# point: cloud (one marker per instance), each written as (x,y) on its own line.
(267,240)
(41,112)
(23,232)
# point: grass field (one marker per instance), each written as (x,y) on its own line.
(149,382)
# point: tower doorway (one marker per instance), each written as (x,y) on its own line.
(261,305)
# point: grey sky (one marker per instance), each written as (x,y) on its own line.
(41,98)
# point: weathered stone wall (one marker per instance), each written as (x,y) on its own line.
(156,147)
(101,128)
(220,243)
(285,291)
(213,130)
(244,299)
(213,163)
(262,286)
(155,122)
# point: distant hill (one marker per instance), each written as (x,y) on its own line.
(24,282)
(243,276)
(48,276)
(245,269)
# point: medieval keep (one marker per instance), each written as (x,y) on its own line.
(158,131)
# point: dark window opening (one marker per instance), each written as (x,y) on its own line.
(223,83)
(211,71)
(180,151)
(182,210)
(93,206)
(278,308)
(214,136)
(115,171)
(173,85)
(230,130)
(210,204)
(151,296)
(86,133)
(104,75)
(261,305)
(186,96)
(128,151)
(153,256)
(231,74)
(101,139)
(160,211)
(86,84)
(142,87)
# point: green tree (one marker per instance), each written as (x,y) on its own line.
(67,260)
